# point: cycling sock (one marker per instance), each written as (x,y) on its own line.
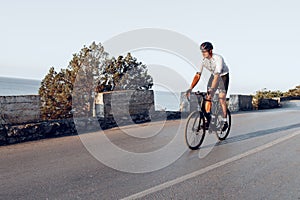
(207,115)
(224,119)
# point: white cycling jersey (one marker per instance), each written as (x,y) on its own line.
(215,65)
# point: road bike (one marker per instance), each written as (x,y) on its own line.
(195,128)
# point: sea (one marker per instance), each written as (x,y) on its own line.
(164,100)
(18,86)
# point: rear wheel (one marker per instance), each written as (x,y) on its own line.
(222,135)
(194,130)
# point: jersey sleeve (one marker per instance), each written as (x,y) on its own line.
(219,65)
(201,67)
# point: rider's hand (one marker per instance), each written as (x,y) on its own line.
(209,96)
(211,93)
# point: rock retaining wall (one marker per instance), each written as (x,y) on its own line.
(236,103)
(124,106)
(10,134)
(268,104)
(240,103)
(19,109)
(288,98)
(20,115)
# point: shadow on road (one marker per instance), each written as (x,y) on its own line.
(250,135)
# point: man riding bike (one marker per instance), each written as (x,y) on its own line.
(219,80)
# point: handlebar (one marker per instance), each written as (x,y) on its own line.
(202,94)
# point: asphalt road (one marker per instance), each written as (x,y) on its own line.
(259,160)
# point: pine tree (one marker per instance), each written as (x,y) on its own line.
(78,80)
(124,74)
(46,92)
(72,90)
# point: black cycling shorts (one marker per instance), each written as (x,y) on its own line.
(223,83)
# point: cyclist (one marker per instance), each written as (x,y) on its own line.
(219,80)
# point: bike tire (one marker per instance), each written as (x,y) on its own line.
(195,119)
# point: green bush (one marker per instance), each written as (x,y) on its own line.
(268,94)
(293,92)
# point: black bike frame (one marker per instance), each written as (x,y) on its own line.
(201,97)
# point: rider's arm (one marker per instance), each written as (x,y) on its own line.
(214,83)
(196,77)
(195,80)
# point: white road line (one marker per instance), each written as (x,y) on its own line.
(209,168)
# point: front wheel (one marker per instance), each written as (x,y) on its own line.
(222,135)
(194,130)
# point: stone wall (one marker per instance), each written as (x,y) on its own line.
(268,104)
(19,109)
(288,98)
(10,134)
(125,106)
(21,116)
(240,103)
(236,103)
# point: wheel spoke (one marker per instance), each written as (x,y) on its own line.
(189,139)
(193,141)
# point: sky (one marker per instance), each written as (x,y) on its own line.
(259,39)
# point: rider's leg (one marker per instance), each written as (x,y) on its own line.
(208,103)
(207,112)
(222,99)
(223,87)
(208,106)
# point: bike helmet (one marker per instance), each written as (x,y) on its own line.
(206,46)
